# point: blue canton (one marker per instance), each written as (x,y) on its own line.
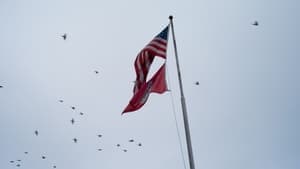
(164,34)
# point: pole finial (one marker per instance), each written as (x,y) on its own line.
(170,17)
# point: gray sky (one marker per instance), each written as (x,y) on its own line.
(244,114)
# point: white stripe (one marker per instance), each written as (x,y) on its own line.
(158,44)
(156,50)
(161,40)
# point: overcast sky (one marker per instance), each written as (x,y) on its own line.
(244,114)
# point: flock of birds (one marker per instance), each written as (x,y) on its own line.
(18,162)
(75,140)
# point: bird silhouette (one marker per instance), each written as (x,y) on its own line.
(72,107)
(140,144)
(54,166)
(12,161)
(125,150)
(131,140)
(197,83)
(36,132)
(61,101)
(72,121)
(99,135)
(18,165)
(1,86)
(99,149)
(81,113)
(255,23)
(64,36)
(19,160)
(43,157)
(75,140)
(96,71)
(25,152)
(118,145)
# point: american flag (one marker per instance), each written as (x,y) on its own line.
(143,61)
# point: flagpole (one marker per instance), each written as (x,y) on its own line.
(183,104)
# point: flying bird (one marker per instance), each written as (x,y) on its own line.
(75,140)
(1,86)
(25,152)
(54,166)
(118,145)
(197,83)
(12,161)
(255,23)
(125,150)
(131,140)
(18,165)
(19,160)
(72,107)
(96,71)
(99,149)
(140,144)
(81,113)
(72,121)
(43,157)
(36,132)
(99,135)
(61,101)
(64,36)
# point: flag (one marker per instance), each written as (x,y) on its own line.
(157,84)
(143,61)
(142,64)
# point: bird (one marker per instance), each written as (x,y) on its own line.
(197,83)
(43,157)
(64,36)
(125,150)
(72,107)
(36,132)
(61,101)
(131,140)
(81,113)
(54,166)
(96,71)
(18,165)
(72,121)
(12,161)
(75,140)
(118,145)
(19,160)
(99,149)
(140,144)
(1,86)
(255,23)
(99,135)
(25,152)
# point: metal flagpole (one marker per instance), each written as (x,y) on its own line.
(183,105)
